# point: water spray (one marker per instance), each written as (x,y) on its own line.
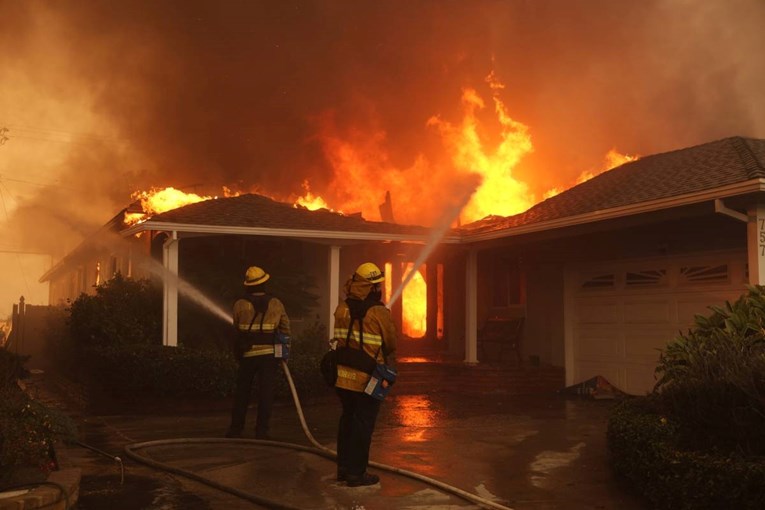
(187,289)
(436,234)
(155,267)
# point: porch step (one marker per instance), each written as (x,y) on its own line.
(449,376)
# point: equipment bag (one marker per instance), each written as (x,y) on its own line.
(281,345)
(375,388)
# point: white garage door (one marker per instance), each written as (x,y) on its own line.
(619,315)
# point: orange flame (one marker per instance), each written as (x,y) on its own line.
(414,305)
(309,200)
(156,201)
(499,192)
(612,159)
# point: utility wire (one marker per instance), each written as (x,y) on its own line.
(23,131)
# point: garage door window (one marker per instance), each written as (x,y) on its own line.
(690,275)
(651,278)
(599,281)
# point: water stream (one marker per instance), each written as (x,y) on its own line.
(448,217)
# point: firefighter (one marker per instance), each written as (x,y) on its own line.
(257,317)
(365,336)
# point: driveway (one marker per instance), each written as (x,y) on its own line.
(526,453)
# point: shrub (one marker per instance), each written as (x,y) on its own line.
(160,371)
(28,429)
(713,378)
(698,440)
(122,312)
(115,345)
(645,451)
(11,367)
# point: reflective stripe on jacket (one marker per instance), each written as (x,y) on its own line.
(275,317)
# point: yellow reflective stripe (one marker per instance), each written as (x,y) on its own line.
(259,350)
(348,374)
(256,327)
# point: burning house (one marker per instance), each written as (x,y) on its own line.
(603,274)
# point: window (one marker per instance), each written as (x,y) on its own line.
(599,281)
(651,278)
(507,286)
(704,274)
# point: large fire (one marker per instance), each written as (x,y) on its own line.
(499,192)
(362,169)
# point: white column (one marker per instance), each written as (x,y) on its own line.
(334,287)
(471,307)
(170,301)
(755,241)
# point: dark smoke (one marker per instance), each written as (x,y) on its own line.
(202,94)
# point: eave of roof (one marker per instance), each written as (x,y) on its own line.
(282,232)
(740,188)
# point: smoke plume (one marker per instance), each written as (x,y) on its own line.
(105,98)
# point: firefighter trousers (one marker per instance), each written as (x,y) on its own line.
(354,434)
(265,368)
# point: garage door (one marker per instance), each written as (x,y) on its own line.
(620,315)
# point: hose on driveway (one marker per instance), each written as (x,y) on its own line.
(318,448)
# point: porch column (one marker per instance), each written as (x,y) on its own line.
(471,306)
(431,310)
(334,287)
(170,299)
(397,274)
(755,243)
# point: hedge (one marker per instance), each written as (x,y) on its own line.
(645,451)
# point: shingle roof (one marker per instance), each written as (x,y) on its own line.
(257,211)
(670,174)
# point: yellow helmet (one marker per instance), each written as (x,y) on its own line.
(255,276)
(370,272)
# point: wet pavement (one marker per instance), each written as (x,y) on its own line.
(526,453)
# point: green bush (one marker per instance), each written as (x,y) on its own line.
(28,429)
(645,450)
(135,371)
(713,378)
(123,311)
(11,367)
(114,348)
(698,441)
(157,370)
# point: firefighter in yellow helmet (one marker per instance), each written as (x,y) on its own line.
(257,317)
(363,326)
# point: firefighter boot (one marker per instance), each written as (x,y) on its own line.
(361,480)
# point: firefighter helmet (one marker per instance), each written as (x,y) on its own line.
(370,272)
(255,276)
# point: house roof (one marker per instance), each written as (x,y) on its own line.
(723,168)
(260,215)
(665,179)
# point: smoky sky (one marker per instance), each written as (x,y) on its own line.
(203,94)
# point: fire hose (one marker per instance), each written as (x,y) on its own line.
(318,449)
